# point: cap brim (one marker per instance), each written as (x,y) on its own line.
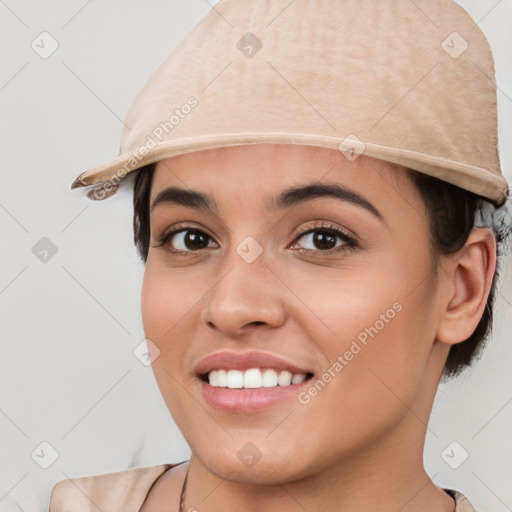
(454,172)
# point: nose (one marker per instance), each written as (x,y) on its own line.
(244,296)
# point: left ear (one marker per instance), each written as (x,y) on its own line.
(467,282)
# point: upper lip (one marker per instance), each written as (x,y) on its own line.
(228,360)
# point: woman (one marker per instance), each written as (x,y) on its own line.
(305,206)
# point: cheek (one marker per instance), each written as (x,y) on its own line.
(164,308)
(165,299)
(171,301)
(376,324)
(153,305)
(375,356)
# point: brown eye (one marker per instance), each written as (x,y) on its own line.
(194,239)
(190,239)
(185,240)
(323,239)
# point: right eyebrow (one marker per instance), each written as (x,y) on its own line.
(188,198)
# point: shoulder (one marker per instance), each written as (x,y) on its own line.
(462,504)
(118,491)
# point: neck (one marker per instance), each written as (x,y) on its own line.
(387,478)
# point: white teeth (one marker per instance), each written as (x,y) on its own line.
(222,380)
(285,378)
(269,379)
(298,378)
(253,378)
(235,379)
(213,378)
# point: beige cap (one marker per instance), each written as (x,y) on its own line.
(409,82)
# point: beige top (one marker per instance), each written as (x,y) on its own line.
(125,491)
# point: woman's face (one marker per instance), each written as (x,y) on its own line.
(333,281)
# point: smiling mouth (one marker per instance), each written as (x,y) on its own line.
(253,378)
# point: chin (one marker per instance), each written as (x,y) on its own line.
(251,459)
(266,471)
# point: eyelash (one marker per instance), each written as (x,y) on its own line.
(350,242)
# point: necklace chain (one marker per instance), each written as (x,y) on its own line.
(182,496)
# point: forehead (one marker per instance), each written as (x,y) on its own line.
(267,166)
(256,172)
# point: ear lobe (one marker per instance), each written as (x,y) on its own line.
(470,274)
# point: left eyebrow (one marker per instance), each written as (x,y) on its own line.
(302,193)
(285,199)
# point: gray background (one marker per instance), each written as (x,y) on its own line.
(70,324)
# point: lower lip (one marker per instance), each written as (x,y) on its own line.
(248,400)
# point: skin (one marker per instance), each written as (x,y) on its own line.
(358,444)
